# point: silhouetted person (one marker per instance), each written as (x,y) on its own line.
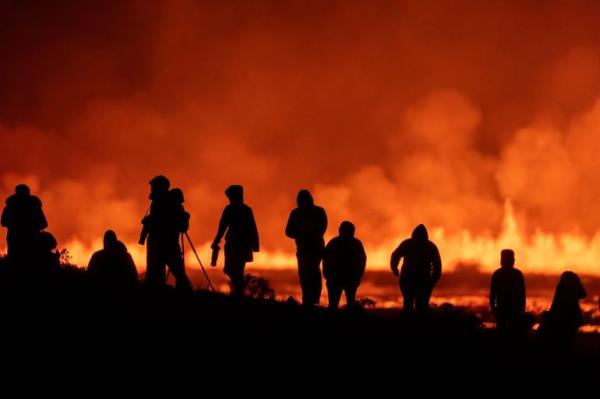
(44,257)
(24,219)
(421,269)
(307,225)
(507,292)
(238,226)
(163,224)
(112,267)
(563,320)
(344,264)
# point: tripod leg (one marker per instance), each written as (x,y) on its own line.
(212,288)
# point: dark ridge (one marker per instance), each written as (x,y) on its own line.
(62,335)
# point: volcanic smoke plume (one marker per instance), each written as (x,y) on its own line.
(479,119)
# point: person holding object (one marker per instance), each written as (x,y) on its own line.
(238,226)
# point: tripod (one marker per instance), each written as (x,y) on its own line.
(212,288)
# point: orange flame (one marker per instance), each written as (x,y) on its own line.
(539,253)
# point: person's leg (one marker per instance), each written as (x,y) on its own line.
(350,290)
(334,293)
(234,269)
(177,267)
(408,297)
(155,266)
(310,277)
(422,295)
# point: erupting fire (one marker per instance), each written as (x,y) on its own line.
(392,114)
(541,252)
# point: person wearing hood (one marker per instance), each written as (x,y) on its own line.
(344,264)
(307,225)
(238,226)
(113,267)
(24,219)
(561,323)
(421,269)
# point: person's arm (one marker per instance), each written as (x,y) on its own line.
(323,226)
(493,293)
(93,264)
(291,229)
(223,225)
(395,259)
(327,259)
(5,217)
(40,218)
(362,258)
(522,294)
(254,232)
(582,293)
(132,269)
(436,264)
(43,222)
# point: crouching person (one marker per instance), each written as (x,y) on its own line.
(112,268)
(344,264)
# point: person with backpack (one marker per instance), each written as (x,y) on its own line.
(163,225)
(24,219)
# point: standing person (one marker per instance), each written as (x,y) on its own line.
(238,226)
(307,225)
(507,292)
(344,264)
(24,218)
(163,224)
(421,269)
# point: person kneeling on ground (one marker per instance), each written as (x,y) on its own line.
(113,267)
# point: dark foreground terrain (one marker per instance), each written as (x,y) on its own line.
(61,336)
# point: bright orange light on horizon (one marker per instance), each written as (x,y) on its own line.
(391,114)
(542,253)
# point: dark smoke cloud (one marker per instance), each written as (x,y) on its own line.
(393,112)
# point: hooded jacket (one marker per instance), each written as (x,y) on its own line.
(238,226)
(307,223)
(422,262)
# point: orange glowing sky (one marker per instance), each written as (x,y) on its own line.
(479,119)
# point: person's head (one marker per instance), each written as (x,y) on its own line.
(159,185)
(569,281)
(304,199)
(507,258)
(22,190)
(110,239)
(235,193)
(177,195)
(420,233)
(347,229)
